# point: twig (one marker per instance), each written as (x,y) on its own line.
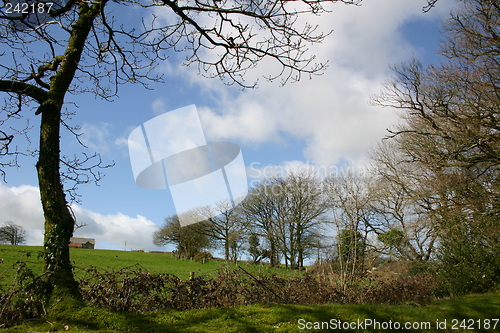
(261,283)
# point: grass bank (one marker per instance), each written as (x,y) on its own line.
(475,309)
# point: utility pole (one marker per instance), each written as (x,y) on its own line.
(125,245)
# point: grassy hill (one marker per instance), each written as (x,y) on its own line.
(115,260)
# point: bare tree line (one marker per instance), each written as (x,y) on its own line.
(300,215)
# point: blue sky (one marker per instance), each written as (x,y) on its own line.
(326,121)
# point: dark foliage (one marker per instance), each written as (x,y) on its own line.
(134,289)
(24,300)
(471,265)
(419,289)
(13,234)
(203,256)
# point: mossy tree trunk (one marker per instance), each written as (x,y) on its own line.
(59,222)
(226,249)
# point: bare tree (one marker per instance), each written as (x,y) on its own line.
(453,107)
(288,212)
(451,126)
(350,202)
(77,46)
(237,244)
(400,197)
(12,233)
(301,215)
(260,210)
(225,226)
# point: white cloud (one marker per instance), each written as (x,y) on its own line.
(112,230)
(330,113)
(97,137)
(158,106)
(22,206)
(245,119)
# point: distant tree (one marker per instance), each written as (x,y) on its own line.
(236,246)
(260,209)
(401,196)
(350,202)
(256,251)
(224,226)
(350,198)
(287,212)
(301,215)
(188,240)
(254,247)
(12,234)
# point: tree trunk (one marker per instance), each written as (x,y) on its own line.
(59,223)
(273,253)
(226,249)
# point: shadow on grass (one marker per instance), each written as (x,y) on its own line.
(73,317)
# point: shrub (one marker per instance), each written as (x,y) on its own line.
(469,266)
(409,289)
(136,290)
(420,267)
(470,255)
(128,289)
(26,298)
(202,256)
(133,289)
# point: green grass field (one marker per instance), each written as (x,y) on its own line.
(115,260)
(470,313)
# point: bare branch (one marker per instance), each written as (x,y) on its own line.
(22,88)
